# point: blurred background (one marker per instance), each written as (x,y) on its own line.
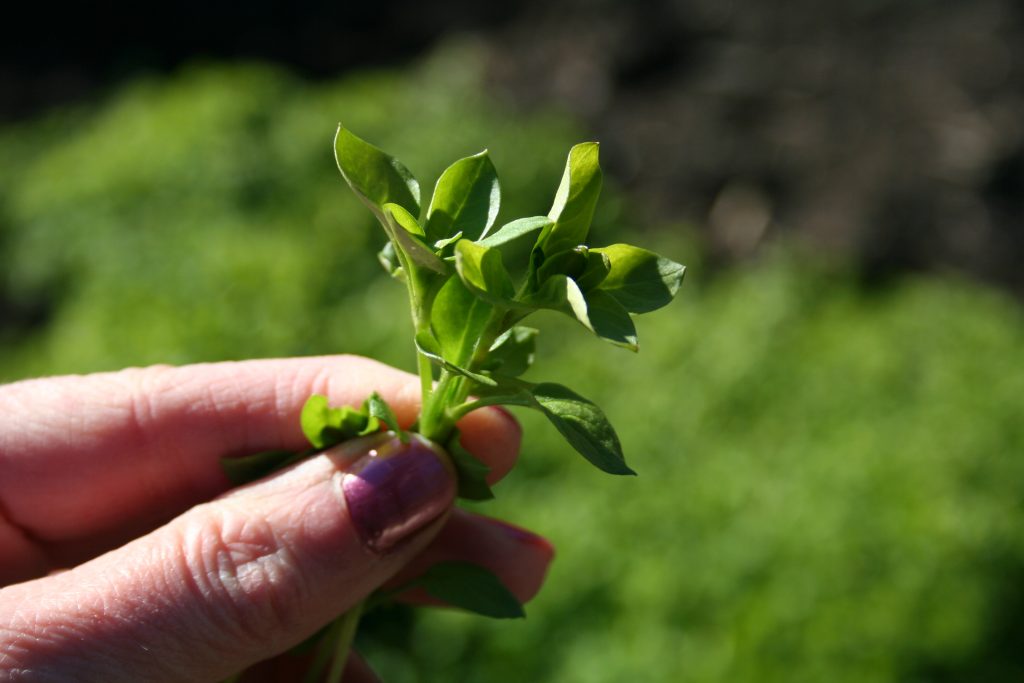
(828,423)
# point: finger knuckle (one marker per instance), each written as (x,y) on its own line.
(245,575)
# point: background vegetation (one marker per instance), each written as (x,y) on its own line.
(830,474)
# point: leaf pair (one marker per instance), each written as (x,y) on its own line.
(323,427)
(464,204)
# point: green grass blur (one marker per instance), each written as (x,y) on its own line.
(830,477)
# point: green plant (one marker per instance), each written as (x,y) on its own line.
(470,285)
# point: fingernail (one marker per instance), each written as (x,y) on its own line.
(395,490)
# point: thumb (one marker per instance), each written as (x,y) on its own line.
(238,579)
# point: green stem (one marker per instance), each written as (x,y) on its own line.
(426,377)
(434,423)
(418,304)
(332,647)
(349,622)
(463,409)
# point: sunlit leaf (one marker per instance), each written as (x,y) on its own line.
(376,177)
(466,199)
(482,270)
(639,279)
(575,200)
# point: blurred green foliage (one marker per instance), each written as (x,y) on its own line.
(830,478)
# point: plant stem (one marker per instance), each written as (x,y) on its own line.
(426,377)
(348,623)
(434,423)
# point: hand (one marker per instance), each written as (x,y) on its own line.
(109,474)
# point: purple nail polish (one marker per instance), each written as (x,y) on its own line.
(395,490)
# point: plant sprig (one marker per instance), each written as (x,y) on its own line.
(471,282)
(469,295)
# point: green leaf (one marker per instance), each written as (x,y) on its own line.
(573,208)
(325,426)
(429,347)
(389,260)
(376,177)
(471,587)
(482,270)
(470,472)
(378,409)
(441,244)
(406,232)
(522,230)
(569,262)
(466,199)
(513,352)
(639,279)
(587,267)
(560,293)
(583,425)
(609,320)
(594,272)
(517,241)
(579,420)
(597,311)
(458,319)
(250,468)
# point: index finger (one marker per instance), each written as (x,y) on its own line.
(81,455)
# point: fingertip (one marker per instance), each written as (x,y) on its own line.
(494,436)
(536,553)
(518,557)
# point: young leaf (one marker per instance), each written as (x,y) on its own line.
(560,293)
(512,353)
(458,319)
(471,473)
(569,262)
(472,588)
(465,200)
(249,468)
(483,272)
(376,177)
(584,265)
(325,426)
(441,244)
(522,230)
(378,409)
(607,318)
(596,311)
(639,279)
(406,232)
(389,260)
(583,425)
(516,241)
(594,272)
(573,208)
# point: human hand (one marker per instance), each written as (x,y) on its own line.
(110,474)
